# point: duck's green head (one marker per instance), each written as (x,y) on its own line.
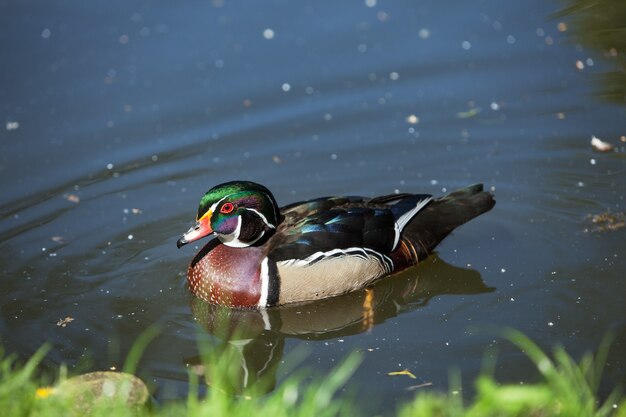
(239,213)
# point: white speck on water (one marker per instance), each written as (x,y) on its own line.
(580,184)
(370,3)
(412,119)
(109,166)
(494,106)
(447,343)
(46,33)
(466,45)
(592,161)
(362,48)
(155,158)
(550,324)
(286,87)
(434,182)
(328,117)
(12,125)
(268,33)
(503,270)
(510,39)
(512,299)
(394,76)
(540,32)
(130,237)
(333,156)
(424,33)
(309,90)
(589,62)
(43,249)
(580,65)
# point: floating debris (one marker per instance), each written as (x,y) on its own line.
(468,114)
(12,125)
(64,322)
(606,222)
(600,145)
(59,239)
(268,34)
(72,198)
(412,119)
(403,372)
(414,387)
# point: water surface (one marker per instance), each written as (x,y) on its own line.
(120,116)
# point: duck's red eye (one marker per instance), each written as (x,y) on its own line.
(227,208)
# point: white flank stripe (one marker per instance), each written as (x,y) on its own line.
(406,218)
(265,284)
(363,253)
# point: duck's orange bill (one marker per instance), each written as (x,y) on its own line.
(201,229)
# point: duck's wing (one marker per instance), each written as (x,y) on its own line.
(335,226)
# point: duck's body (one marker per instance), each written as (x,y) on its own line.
(266,256)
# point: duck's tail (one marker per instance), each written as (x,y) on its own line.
(435,221)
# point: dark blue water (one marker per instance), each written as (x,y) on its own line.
(119,116)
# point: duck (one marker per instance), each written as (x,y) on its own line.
(263,255)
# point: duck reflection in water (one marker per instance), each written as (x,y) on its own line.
(253,340)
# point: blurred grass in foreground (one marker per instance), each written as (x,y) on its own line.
(567,389)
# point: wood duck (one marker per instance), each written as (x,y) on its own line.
(267,256)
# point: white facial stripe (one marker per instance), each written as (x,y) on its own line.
(265,283)
(233,238)
(214,206)
(262,217)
